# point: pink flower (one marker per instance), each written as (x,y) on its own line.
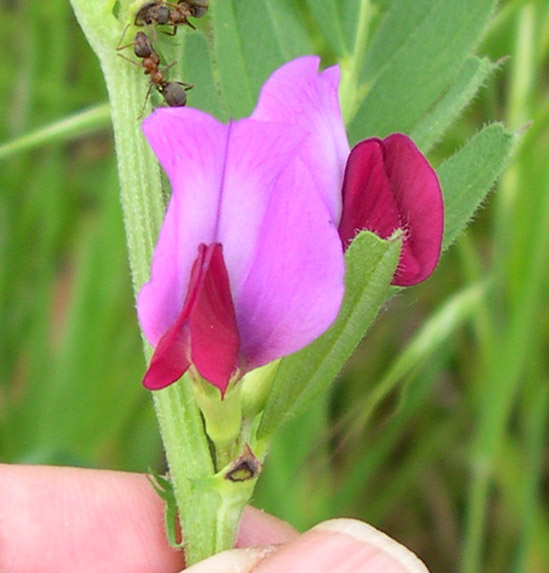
(388,184)
(249,263)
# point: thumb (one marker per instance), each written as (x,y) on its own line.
(334,546)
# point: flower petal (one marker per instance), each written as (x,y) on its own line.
(190,145)
(205,333)
(294,288)
(215,342)
(389,185)
(297,94)
(368,202)
(257,155)
(221,177)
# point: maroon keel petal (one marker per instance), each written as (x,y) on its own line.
(205,332)
(215,340)
(367,199)
(390,185)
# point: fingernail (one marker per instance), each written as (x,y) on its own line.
(232,561)
(342,546)
(388,551)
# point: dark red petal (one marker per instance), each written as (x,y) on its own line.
(415,186)
(205,332)
(169,361)
(171,358)
(367,199)
(388,185)
(215,341)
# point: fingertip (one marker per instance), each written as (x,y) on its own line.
(342,546)
(376,540)
(260,528)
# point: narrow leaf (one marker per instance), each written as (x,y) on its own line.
(471,77)
(73,126)
(326,16)
(197,69)
(263,39)
(231,65)
(349,14)
(251,40)
(468,175)
(300,378)
(418,50)
(289,28)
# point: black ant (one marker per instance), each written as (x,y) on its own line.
(167,14)
(174,93)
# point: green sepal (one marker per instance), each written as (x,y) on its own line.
(222,414)
(255,387)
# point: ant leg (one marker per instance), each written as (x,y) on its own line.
(169,66)
(172,33)
(147,95)
(119,47)
(128,59)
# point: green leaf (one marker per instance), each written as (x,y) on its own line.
(471,77)
(288,27)
(327,17)
(301,377)
(197,68)
(251,40)
(468,175)
(352,12)
(234,82)
(417,51)
(263,29)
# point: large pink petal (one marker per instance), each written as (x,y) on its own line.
(221,177)
(246,187)
(190,145)
(257,155)
(390,185)
(295,286)
(298,94)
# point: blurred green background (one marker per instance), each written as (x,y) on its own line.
(462,439)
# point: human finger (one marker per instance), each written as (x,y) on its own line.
(54,519)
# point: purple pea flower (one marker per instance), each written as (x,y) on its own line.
(388,184)
(249,263)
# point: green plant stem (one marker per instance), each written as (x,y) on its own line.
(209,515)
(189,460)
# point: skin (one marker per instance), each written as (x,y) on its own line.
(67,519)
